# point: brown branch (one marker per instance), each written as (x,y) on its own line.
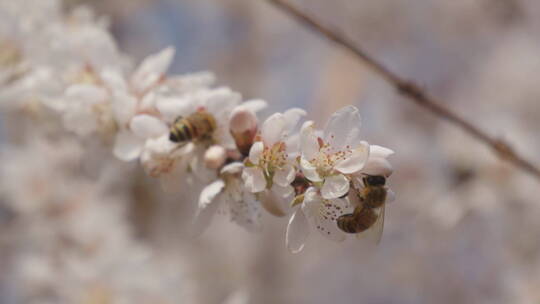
(412,90)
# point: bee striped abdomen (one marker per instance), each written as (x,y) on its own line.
(361,220)
(196,126)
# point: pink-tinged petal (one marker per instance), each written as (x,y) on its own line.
(355,161)
(292,117)
(297,232)
(272,129)
(127,146)
(146,126)
(173,107)
(343,128)
(309,170)
(255,152)
(379,151)
(309,145)
(284,177)
(208,204)
(123,107)
(243,120)
(378,166)
(254,105)
(152,68)
(335,186)
(254,180)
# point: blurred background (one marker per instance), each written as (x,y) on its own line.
(463,229)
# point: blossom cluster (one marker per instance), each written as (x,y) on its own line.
(70,71)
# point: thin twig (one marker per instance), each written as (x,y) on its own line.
(411,90)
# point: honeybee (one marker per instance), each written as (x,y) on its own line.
(369,214)
(198,125)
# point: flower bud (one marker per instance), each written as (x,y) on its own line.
(243,127)
(378,166)
(215,157)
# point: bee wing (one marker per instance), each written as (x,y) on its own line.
(374,234)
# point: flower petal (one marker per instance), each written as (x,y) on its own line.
(147,126)
(123,107)
(273,129)
(378,166)
(356,161)
(274,202)
(323,214)
(309,170)
(335,186)
(254,180)
(284,177)
(297,232)
(255,152)
(127,146)
(174,107)
(208,204)
(254,105)
(379,151)
(246,212)
(343,128)
(232,168)
(151,68)
(292,117)
(309,144)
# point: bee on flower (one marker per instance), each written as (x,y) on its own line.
(331,163)
(271,164)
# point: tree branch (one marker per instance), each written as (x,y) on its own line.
(411,90)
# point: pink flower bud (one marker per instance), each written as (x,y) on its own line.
(215,157)
(243,127)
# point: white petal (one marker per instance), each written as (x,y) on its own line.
(379,151)
(114,79)
(147,126)
(208,204)
(86,93)
(127,146)
(309,145)
(390,195)
(310,171)
(123,107)
(378,166)
(220,102)
(254,180)
(232,168)
(297,232)
(343,128)
(254,105)
(274,202)
(354,162)
(335,186)
(246,212)
(151,68)
(273,128)
(173,107)
(285,176)
(255,152)
(283,191)
(292,117)
(323,214)
(210,192)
